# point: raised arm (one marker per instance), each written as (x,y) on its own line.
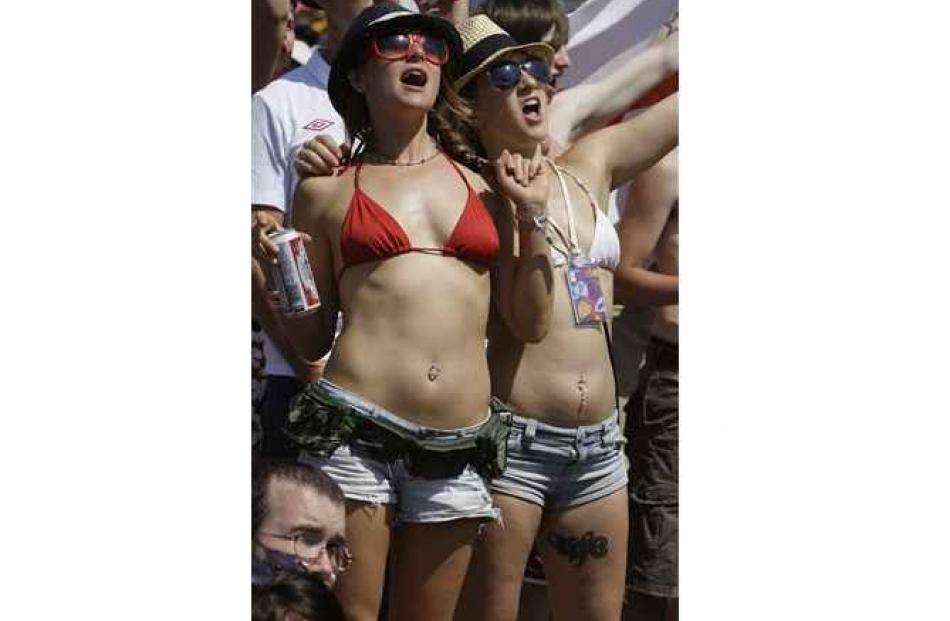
(582,108)
(522,282)
(616,154)
(653,197)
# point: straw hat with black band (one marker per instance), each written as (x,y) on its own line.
(483,41)
(383,18)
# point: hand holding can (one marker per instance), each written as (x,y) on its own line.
(292,275)
(264,223)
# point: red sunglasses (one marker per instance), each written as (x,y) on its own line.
(396,46)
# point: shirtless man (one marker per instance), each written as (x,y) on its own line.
(649,275)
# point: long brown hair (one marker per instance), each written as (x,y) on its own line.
(456,128)
(528,21)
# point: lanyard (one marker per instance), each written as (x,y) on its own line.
(570,240)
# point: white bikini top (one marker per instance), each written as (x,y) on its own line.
(604,247)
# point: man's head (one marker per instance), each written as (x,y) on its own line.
(272,40)
(339,15)
(530,21)
(298,510)
(291,597)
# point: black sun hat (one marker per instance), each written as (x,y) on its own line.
(384,17)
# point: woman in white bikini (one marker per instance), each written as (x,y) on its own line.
(565,480)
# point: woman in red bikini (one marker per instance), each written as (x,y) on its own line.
(405,245)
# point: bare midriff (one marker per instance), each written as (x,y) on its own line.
(413,339)
(564,380)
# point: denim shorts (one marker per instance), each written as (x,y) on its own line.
(364,477)
(559,467)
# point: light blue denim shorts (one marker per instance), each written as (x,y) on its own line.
(365,478)
(559,467)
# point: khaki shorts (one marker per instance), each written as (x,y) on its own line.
(653,429)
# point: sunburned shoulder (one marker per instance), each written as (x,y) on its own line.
(480,186)
(477,182)
(321,196)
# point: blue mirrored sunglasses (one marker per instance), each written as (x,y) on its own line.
(506,74)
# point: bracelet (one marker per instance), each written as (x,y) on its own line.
(538,220)
(524,214)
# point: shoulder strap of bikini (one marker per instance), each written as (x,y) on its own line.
(569,208)
(457,169)
(356,174)
(583,186)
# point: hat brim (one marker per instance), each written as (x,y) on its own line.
(351,49)
(545,51)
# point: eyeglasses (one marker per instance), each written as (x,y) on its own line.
(396,46)
(309,546)
(506,74)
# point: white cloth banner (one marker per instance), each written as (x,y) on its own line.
(605,34)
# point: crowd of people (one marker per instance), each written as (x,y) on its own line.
(449,421)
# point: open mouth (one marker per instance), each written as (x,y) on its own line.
(414,77)
(531,107)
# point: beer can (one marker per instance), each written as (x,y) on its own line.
(292,275)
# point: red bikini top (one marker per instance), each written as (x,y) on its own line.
(371,234)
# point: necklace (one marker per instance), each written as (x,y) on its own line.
(373,158)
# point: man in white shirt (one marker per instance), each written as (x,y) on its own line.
(284,115)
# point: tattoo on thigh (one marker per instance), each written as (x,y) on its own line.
(577,549)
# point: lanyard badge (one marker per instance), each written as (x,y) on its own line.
(583,279)
(587,296)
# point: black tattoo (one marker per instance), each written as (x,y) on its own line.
(577,549)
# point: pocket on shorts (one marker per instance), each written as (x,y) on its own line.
(316,425)
(661,399)
(491,445)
